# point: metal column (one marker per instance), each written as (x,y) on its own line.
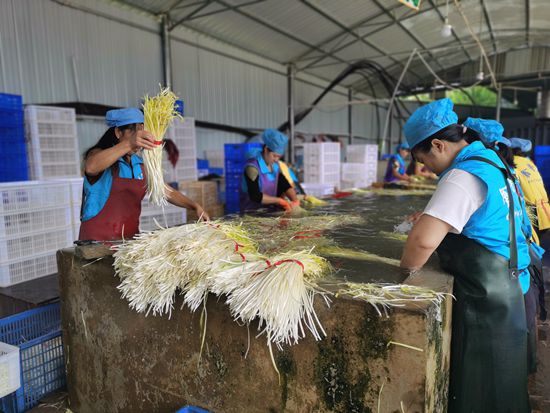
(350,117)
(499,101)
(166,51)
(290,92)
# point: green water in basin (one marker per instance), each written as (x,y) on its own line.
(381,214)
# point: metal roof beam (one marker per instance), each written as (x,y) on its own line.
(350,32)
(411,34)
(178,4)
(281,31)
(458,39)
(210,13)
(527,20)
(387,24)
(489,25)
(189,15)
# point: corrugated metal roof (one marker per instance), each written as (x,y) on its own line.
(320,36)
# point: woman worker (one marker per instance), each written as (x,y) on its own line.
(490,132)
(263,183)
(531,184)
(396,168)
(473,220)
(114,181)
(419,170)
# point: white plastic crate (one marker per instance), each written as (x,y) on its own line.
(49,114)
(362,153)
(327,177)
(216,158)
(29,268)
(358,171)
(22,246)
(363,183)
(169,218)
(52,144)
(74,186)
(318,190)
(30,221)
(182,132)
(28,195)
(10,373)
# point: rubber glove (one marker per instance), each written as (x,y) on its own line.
(284,204)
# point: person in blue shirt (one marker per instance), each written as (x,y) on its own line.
(114,181)
(490,132)
(474,221)
(396,169)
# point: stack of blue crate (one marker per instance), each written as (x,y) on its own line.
(542,160)
(13,153)
(235,158)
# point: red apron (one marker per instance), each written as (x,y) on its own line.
(119,217)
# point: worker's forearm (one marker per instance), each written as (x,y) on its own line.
(269,200)
(415,255)
(291,194)
(178,199)
(403,177)
(98,161)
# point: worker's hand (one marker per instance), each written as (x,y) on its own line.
(295,204)
(201,213)
(142,139)
(284,204)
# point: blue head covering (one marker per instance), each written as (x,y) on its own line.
(403,145)
(524,145)
(121,117)
(429,119)
(490,131)
(275,140)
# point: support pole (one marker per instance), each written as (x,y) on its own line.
(166,51)
(290,95)
(350,117)
(499,101)
(390,106)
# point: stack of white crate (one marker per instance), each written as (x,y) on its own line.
(35,221)
(360,169)
(74,187)
(182,132)
(322,163)
(52,145)
(154,216)
(216,158)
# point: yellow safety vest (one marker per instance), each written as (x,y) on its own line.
(533,189)
(284,170)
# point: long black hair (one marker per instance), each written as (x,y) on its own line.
(506,154)
(109,139)
(452,133)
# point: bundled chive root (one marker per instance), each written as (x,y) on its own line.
(158,112)
(385,296)
(220,257)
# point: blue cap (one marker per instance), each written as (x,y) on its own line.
(429,119)
(121,117)
(253,153)
(524,145)
(490,131)
(275,140)
(403,145)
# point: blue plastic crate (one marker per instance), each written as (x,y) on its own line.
(192,409)
(8,101)
(10,117)
(216,171)
(202,163)
(239,151)
(180,106)
(37,333)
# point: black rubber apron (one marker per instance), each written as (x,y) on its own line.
(489,333)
